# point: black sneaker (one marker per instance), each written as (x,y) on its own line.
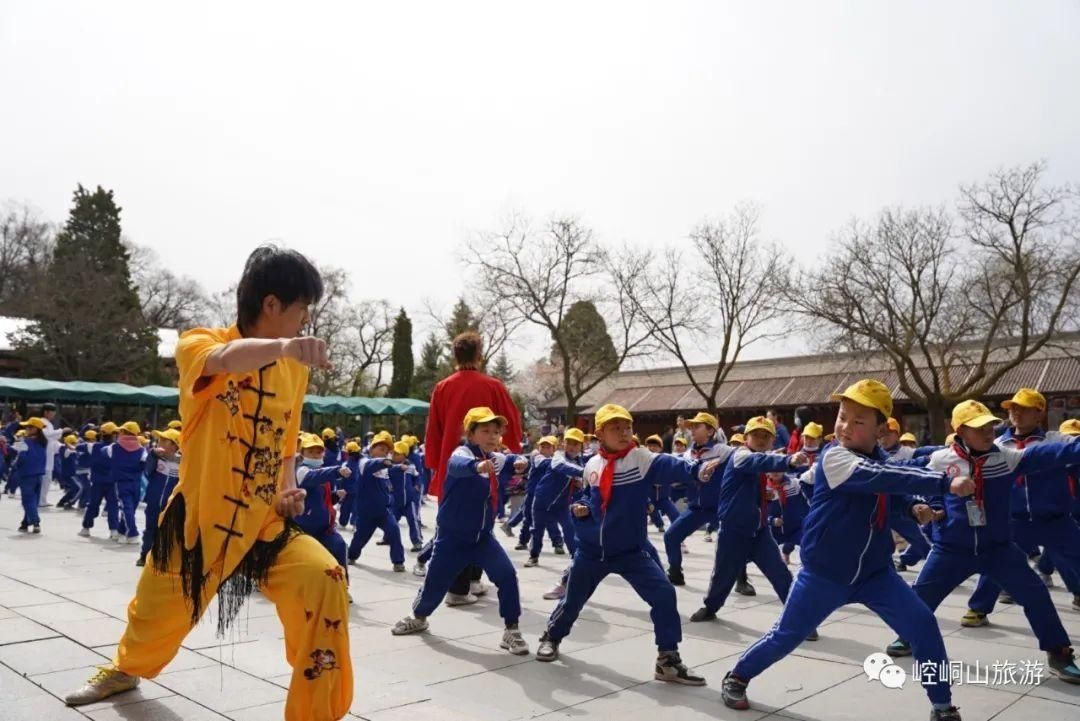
(1076,602)
(743,587)
(813,636)
(1063,665)
(703,614)
(383,542)
(560,551)
(36,529)
(898,648)
(675,575)
(950,714)
(548,650)
(671,669)
(900,566)
(733,691)
(23,528)
(141,561)
(521,547)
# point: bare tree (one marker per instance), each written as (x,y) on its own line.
(954,312)
(371,330)
(26,245)
(495,324)
(725,295)
(536,278)
(168,300)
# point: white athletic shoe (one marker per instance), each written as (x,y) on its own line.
(84,532)
(477,588)
(514,643)
(408,625)
(1047,579)
(106,682)
(454,599)
(419,570)
(555,593)
(132,540)
(114,535)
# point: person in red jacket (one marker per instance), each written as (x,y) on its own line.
(468,387)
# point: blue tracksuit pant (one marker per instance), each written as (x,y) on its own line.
(661,508)
(155,496)
(1060,538)
(644,575)
(332,541)
(918,547)
(1006,565)
(523,515)
(545,520)
(915,551)
(813,597)
(366,522)
(688,522)
(29,492)
(101,492)
(83,480)
(347,509)
(128,495)
(1048,564)
(409,512)
(733,551)
(450,555)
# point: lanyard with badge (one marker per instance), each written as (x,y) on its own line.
(975,506)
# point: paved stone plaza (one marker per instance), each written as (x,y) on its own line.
(63,600)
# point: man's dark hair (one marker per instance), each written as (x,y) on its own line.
(468,350)
(279,272)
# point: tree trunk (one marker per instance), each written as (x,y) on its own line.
(935,410)
(571,412)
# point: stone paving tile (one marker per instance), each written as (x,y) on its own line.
(169,708)
(19,630)
(54,654)
(221,688)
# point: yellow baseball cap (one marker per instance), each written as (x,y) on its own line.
(34,422)
(109,428)
(170,435)
(654,439)
(20,434)
(481,414)
(1026,398)
(176,425)
(550,440)
(829,438)
(71,440)
(870,393)
(759,423)
(707,418)
(328,434)
(908,438)
(574,434)
(972,414)
(1070,427)
(401,448)
(950,439)
(611,412)
(813,430)
(352,447)
(90,435)
(737,439)
(384,438)
(310,440)
(893,425)
(131,427)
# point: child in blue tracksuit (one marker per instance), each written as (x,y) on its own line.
(351,451)
(974,536)
(371,509)
(163,473)
(660,503)
(127,458)
(1041,505)
(612,537)
(551,498)
(68,463)
(703,499)
(787,511)
(539,464)
(1071,429)
(28,472)
(918,546)
(743,512)
(82,466)
(102,484)
(332,457)
(847,547)
(318,481)
(404,491)
(463,535)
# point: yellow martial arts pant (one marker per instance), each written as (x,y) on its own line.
(308,588)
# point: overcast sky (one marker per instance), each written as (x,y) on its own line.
(380,135)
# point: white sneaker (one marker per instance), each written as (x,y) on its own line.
(477,588)
(106,682)
(454,599)
(514,643)
(685,550)
(708,537)
(84,532)
(131,540)
(1047,579)
(555,593)
(419,570)
(412,624)
(114,536)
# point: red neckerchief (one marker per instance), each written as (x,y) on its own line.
(328,498)
(607,476)
(763,484)
(881,511)
(976,463)
(493,482)
(1020,444)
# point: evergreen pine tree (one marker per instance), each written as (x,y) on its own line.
(401,356)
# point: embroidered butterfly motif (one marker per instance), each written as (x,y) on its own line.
(322,660)
(337,573)
(231,397)
(266,493)
(308,614)
(336,625)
